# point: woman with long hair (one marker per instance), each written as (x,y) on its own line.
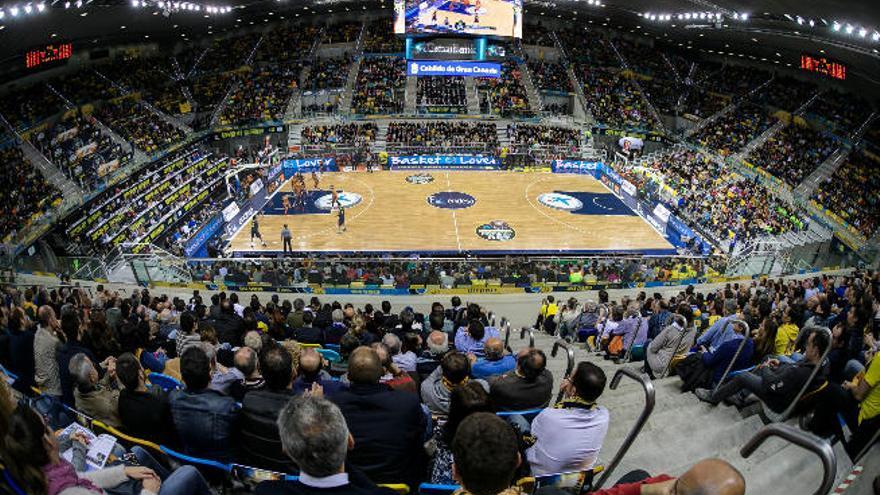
(32,456)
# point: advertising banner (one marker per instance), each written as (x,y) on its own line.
(308,165)
(575,167)
(196,242)
(449,162)
(108,167)
(452,68)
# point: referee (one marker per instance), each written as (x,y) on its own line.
(285,239)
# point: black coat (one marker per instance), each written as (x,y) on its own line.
(388,428)
(259,440)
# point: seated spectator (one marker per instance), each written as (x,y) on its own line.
(144,412)
(47,342)
(34,456)
(709,476)
(98,399)
(465,400)
(306,333)
(204,418)
(485,456)
(388,426)
(438,345)
(673,340)
(454,370)
(72,346)
(311,372)
(721,331)
(529,386)
(315,436)
(405,361)
(259,440)
(393,376)
(775,383)
(247,367)
(570,435)
(473,339)
(494,362)
(705,369)
(337,329)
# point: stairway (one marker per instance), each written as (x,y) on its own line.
(294,135)
(71,193)
(760,140)
(501,132)
(381,142)
(409,102)
(682,430)
(473,96)
(348,92)
(532,93)
(635,82)
(806,188)
(709,120)
(149,106)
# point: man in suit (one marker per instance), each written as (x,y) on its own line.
(388,426)
(315,436)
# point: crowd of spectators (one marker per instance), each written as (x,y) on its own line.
(853,191)
(25,106)
(785,92)
(80,149)
(286,45)
(139,125)
(436,94)
(550,76)
(253,390)
(339,134)
(262,94)
(845,111)
(614,100)
(538,35)
(714,199)
(380,38)
(505,95)
(442,135)
(346,32)
(84,86)
(329,73)
(732,131)
(794,152)
(24,192)
(543,135)
(379,87)
(151,76)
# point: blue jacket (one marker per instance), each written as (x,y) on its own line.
(484,368)
(722,356)
(205,421)
(717,334)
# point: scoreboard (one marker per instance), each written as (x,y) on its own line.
(823,66)
(48,56)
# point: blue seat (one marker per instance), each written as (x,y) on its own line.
(166,382)
(332,347)
(8,373)
(528,414)
(196,461)
(11,482)
(330,355)
(433,489)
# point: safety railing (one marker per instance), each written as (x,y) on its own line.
(523,332)
(736,354)
(775,417)
(802,439)
(569,356)
(650,400)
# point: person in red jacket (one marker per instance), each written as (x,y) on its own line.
(709,477)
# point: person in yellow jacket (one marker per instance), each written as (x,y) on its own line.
(547,317)
(787,333)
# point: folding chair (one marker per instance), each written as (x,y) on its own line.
(166,382)
(330,355)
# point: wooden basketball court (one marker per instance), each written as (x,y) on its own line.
(394,214)
(481,17)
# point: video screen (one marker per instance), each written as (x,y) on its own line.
(458,17)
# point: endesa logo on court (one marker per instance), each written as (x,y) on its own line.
(455,68)
(575,167)
(496,230)
(443,162)
(451,200)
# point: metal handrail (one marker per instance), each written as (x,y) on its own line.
(802,439)
(739,349)
(569,354)
(526,330)
(780,417)
(650,400)
(684,331)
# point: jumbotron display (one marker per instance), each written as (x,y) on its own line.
(471,17)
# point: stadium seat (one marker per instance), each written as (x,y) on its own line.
(11,482)
(12,376)
(197,461)
(100,426)
(434,489)
(166,382)
(400,488)
(528,414)
(332,347)
(330,355)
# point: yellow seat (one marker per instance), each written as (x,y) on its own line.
(128,438)
(315,346)
(401,488)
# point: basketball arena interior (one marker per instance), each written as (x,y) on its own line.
(488,247)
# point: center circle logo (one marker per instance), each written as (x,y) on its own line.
(346,200)
(451,199)
(560,201)
(420,178)
(496,230)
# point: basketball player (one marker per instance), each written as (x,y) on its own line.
(315,179)
(334,196)
(255,231)
(285,203)
(340,220)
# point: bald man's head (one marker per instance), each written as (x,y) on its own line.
(245,360)
(364,366)
(494,349)
(45,315)
(310,361)
(711,477)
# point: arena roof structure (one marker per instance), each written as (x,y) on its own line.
(775,32)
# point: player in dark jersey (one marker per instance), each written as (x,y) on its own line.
(340,220)
(255,231)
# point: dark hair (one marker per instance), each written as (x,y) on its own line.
(128,370)
(386,307)
(463,401)
(485,453)
(589,381)
(532,364)
(456,367)
(70,326)
(187,322)
(195,368)
(24,450)
(308,317)
(476,330)
(821,340)
(276,366)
